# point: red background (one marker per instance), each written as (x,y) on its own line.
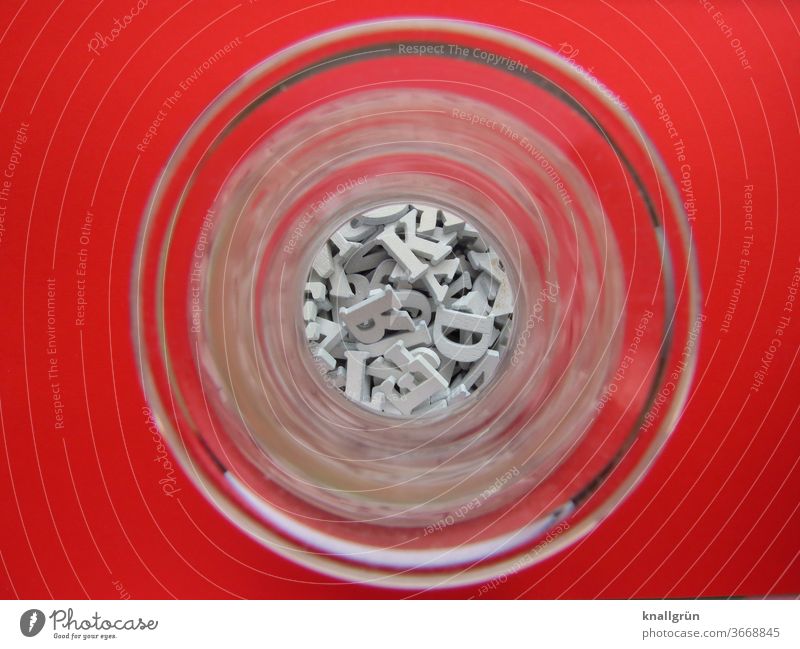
(83,514)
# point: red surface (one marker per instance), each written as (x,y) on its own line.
(83,512)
